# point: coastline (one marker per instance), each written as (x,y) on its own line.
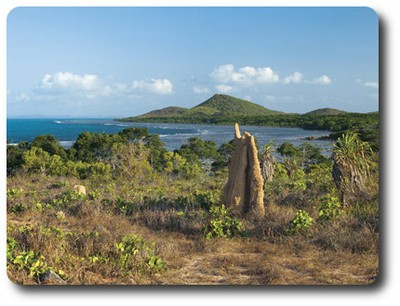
(66,131)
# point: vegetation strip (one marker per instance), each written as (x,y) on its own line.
(144,208)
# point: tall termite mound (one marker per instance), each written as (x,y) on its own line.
(243,192)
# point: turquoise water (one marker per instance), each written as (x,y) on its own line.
(173,135)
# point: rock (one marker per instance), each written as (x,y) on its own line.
(243,192)
(60,215)
(323,137)
(52,278)
(80,189)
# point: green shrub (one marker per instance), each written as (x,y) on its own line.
(59,184)
(93,195)
(225,154)
(85,170)
(38,161)
(207,198)
(154,263)
(39,206)
(130,161)
(125,207)
(49,144)
(195,149)
(55,231)
(98,259)
(64,200)
(11,246)
(133,253)
(330,208)
(32,262)
(94,147)
(298,181)
(222,224)
(320,177)
(304,154)
(18,208)
(181,202)
(288,149)
(134,134)
(300,224)
(178,165)
(14,192)
(15,159)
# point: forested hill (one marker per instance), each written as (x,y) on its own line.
(164,112)
(228,105)
(217,106)
(326,111)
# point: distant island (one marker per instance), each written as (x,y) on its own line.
(218,106)
(225,109)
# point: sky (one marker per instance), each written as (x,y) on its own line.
(120,62)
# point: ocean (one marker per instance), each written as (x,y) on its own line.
(173,135)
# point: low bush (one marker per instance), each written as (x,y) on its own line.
(300,224)
(133,253)
(223,224)
(330,208)
(33,263)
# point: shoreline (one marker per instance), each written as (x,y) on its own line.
(172,134)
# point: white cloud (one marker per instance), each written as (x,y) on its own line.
(251,76)
(107,91)
(89,86)
(267,75)
(322,80)
(69,80)
(223,73)
(200,90)
(68,93)
(223,88)
(158,86)
(295,77)
(245,75)
(67,83)
(249,71)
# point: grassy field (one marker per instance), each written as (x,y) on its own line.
(152,230)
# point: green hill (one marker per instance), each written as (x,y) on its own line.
(217,106)
(227,105)
(164,112)
(326,111)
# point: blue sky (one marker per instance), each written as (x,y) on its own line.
(117,62)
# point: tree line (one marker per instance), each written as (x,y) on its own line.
(365,124)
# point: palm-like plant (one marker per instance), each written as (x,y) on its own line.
(352,163)
(267,162)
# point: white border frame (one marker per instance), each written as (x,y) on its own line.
(387,289)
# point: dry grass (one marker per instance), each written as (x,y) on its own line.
(341,252)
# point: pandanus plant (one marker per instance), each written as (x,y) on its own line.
(352,163)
